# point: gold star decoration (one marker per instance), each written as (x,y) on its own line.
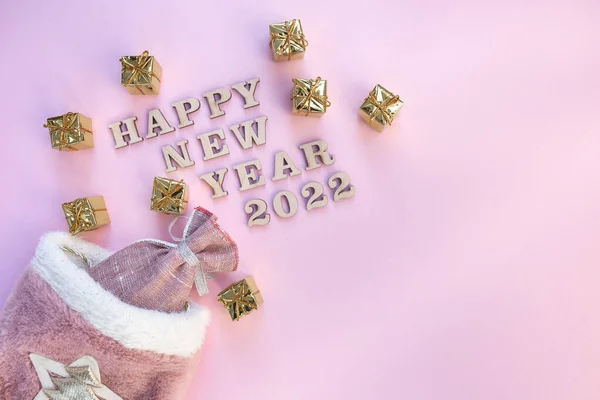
(79,380)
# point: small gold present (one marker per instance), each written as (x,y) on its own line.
(241,298)
(70,132)
(380,108)
(141,74)
(287,40)
(168,196)
(86,214)
(309,97)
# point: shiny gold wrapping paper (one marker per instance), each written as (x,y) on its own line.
(70,132)
(141,74)
(309,97)
(85,214)
(287,40)
(241,298)
(380,108)
(168,196)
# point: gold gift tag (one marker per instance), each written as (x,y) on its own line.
(168,196)
(70,132)
(86,214)
(287,40)
(241,298)
(309,97)
(380,107)
(141,74)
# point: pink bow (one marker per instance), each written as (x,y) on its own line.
(159,275)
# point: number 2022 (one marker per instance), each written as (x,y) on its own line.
(313,191)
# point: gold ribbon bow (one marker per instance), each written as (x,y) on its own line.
(381,107)
(239,300)
(289,37)
(139,69)
(168,190)
(68,131)
(309,95)
(80,215)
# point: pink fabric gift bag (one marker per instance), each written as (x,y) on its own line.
(86,324)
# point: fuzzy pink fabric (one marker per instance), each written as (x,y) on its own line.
(36,320)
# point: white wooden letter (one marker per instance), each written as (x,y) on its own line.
(247,90)
(170,155)
(283,162)
(292,201)
(314,149)
(216,184)
(185,108)
(259,215)
(211,144)
(156,119)
(131,131)
(224,96)
(250,135)
(249,176)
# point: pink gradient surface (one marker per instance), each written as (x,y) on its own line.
(467,265)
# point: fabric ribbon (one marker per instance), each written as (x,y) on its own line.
(289,37)
(309,94)
(381,107)
(80,215)
(67,130)
(139,69)
(159,275)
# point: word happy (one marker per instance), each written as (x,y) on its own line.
(248,134)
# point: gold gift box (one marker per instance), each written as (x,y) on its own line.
(380,108)
(241,298)
(70,132)
(309,97)
(141,74)
(85,214)
(287,40)
(168,196)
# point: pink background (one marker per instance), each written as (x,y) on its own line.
(467,265)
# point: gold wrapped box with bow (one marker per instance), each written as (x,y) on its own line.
(141,74)
(86,214)
(287,40)
(71,131)
(380,108)
(168,196)
(309,97)
(241,298)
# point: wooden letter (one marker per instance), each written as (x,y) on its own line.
(216,184)
(250,134)
(130,130)
(344,190)
(185,108)
(317,199)
(247,90)
(283,162)
(292,201)
(224,96)
(311,154)
(211,144)
(157,120)
(247,174)
(260,216)
(170,155)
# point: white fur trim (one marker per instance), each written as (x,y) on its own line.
(137,328)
